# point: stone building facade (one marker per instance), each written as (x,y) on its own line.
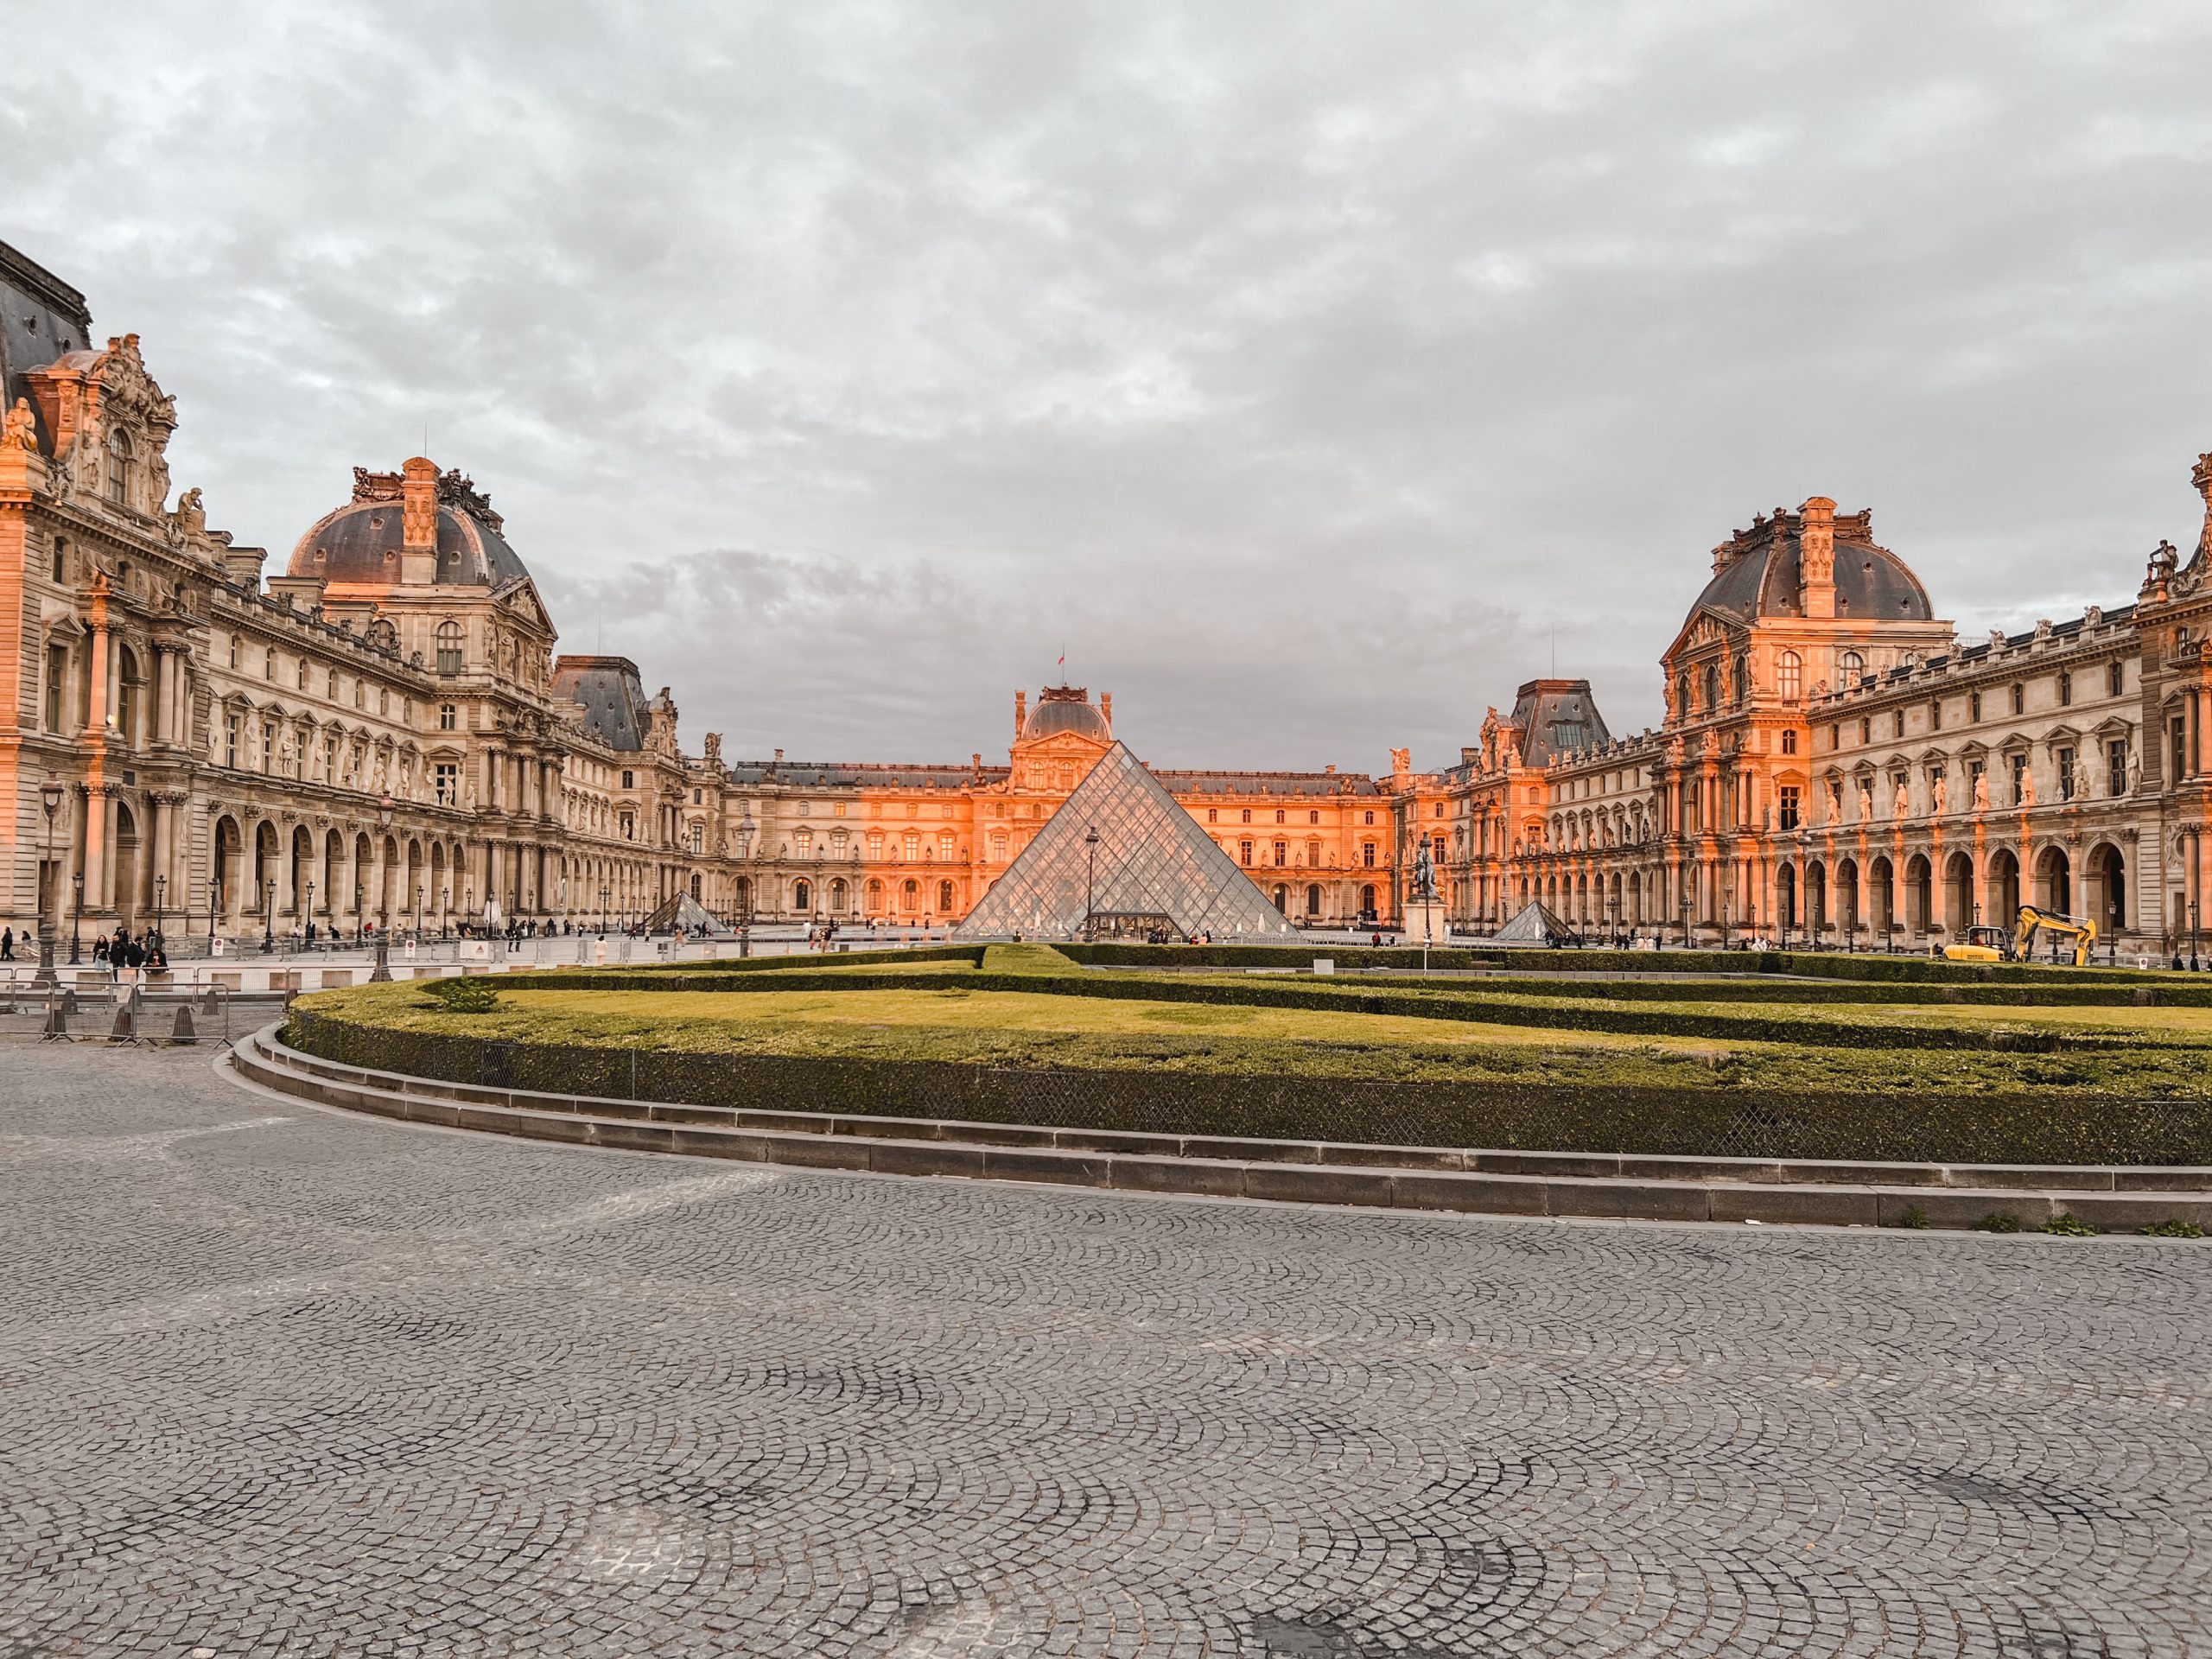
(382,733)
(1835,764)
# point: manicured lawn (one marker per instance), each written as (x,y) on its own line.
(950,1022)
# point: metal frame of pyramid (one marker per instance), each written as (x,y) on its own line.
(687,912)
(1535,923)
(1156,868)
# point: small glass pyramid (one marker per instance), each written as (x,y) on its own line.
(1152,871)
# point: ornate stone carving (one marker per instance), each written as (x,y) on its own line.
(20,431)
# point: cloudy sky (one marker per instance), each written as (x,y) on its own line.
(1310,373)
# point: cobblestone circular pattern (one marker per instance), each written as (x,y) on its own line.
(278,1381)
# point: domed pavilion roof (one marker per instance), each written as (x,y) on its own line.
(361,542)
(1065,709)
(1758,574)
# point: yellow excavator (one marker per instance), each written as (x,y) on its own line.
(1995,944)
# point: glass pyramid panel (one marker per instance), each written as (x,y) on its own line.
(1153,869)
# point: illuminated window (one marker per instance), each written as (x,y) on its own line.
(1790,677)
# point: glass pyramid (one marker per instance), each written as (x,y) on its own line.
(1153,870)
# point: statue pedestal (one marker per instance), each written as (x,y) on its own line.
(1424,922)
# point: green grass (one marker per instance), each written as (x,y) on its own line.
(940,1020)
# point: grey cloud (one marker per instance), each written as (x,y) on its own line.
(1304,369)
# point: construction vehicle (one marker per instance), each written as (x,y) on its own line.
(1996,944)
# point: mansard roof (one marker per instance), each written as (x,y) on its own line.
(612,694)
(43,319)
(1554,718)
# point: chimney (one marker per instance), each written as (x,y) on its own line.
(1020,713)
(1816,556)
(1106,707)
(418,523)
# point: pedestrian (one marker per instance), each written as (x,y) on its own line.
(157,960)
(100,947)
(7,944)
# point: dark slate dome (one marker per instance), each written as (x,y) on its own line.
(361,542)
(1065,709)
(1763,574)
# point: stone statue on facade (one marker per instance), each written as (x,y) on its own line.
(1981,791)
(1939,795)
(19,431)
(2027,785)
(1901,806)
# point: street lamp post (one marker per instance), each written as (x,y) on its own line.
(604,893)
(2193,967)
(418,912)
(1090,884)
(307,927)
(268,915)
(1686,906)
(49,796)
(359,915)
(161,892)
(381,974)
(77,921)
(214,901)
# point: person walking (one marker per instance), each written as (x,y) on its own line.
(7,944)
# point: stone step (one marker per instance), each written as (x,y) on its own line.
(1199,1168)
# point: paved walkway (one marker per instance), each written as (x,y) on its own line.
(274,1381)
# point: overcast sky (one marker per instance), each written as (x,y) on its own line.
(1309,373)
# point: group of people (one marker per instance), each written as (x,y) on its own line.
(122,952)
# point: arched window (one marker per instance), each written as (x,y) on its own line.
(945,898)
(1743,678)
(448,647)
(1789,676)
(1850,668)
(911,896)
(802,895)
(118,467)
(1711,687)
(874,893)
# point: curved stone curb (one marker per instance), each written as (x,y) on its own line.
(1402,1177)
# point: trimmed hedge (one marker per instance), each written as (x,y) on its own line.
(1432,1003)
(1939,1128)
(968,953)
(1872,967)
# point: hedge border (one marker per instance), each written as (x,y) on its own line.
(1978,1129)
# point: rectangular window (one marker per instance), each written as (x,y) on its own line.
(268,746)
(448,717)
(1896,723)
(1935,715)
(1367,851)
(629,781)
(1245,853)
(2116,679)
(2020,699)
(1283,853)
(2065,689)
(1866,729)
(230,740)
(2066,774)
(330,690)
(2116,765)
(2177,740)
(1975,785)
(57,677)
(1974,708)
(1790,807)
(445,782)
(2019,776)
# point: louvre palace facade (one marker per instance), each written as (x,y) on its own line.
(383,731)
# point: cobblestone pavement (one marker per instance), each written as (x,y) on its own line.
(279,1381)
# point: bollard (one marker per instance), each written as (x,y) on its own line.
(126,1029)
(69,1001)
(184,1031)
(208,1002)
